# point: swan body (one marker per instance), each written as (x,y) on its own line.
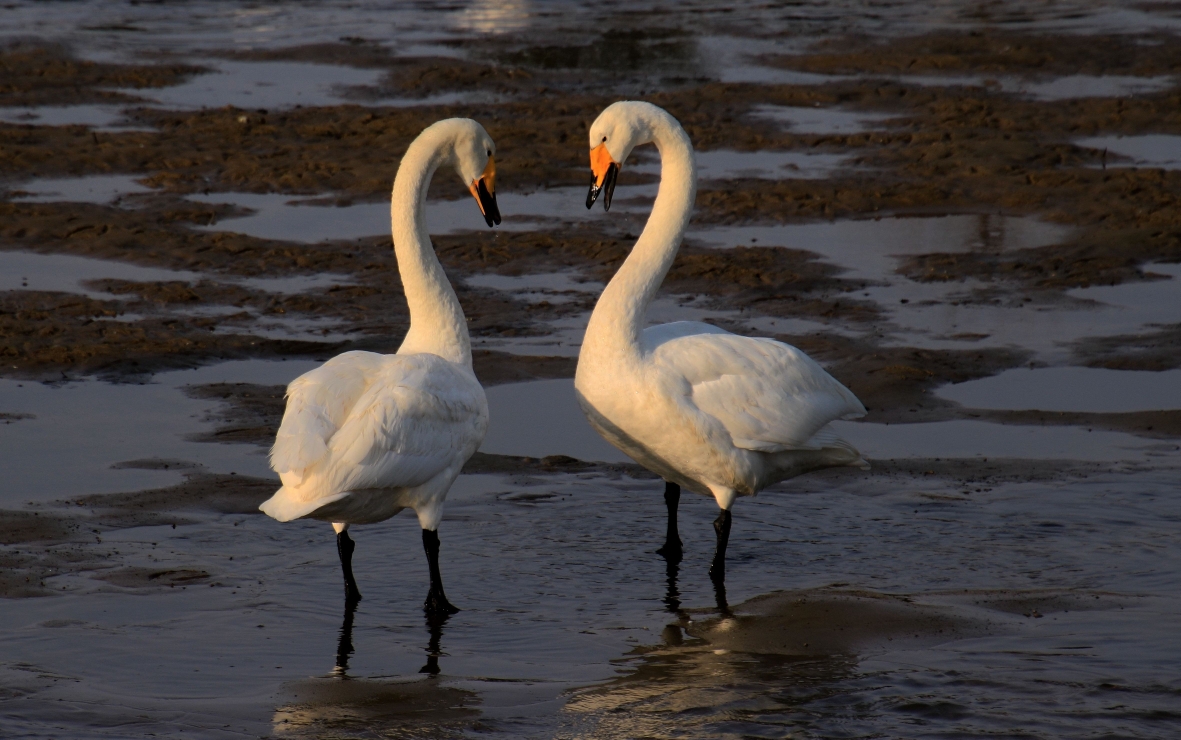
(720,414)
(366,435)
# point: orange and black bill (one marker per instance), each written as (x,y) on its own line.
(604,170)
(484,191)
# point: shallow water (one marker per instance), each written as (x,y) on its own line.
(306,220)
(1087,86)
(867,247)
(98,117)
(725,164)
(101,189)
(79,430)
(262,85)
(820,120)
(558,588)
(66,273)
(1088,389)
(1148,150)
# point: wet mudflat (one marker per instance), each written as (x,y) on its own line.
(970,217)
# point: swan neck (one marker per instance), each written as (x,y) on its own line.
(437,323)
(619,317)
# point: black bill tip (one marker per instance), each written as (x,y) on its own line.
(607,188)
(488,204)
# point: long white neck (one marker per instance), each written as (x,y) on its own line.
(437,323)
(619,316)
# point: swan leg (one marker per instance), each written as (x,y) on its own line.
(672,539)
(436,604)
(344,548)
(717,571)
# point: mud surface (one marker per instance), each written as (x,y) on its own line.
(47,74)
(999,571)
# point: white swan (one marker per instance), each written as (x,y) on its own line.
(366,435)
(719,414)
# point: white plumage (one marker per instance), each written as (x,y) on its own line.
(720,414)
(366,435)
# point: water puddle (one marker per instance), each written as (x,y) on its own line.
(308,220)
(867,248)
(1148,150)
(98,117)
(1086,86)
(940,315)
(1137,304)
(951,315)
(819,120)
(550,287)
(78,430)
(541,418)
(1083,389)
(726,164)
(980,439)
(935,317)
(65,273)
(99,189)
(262,85)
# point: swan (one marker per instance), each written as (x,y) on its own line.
(366,435)
(719,414)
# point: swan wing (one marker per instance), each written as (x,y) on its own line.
(419,417)
(768,395)
(318,402)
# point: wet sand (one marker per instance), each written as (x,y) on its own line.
(921,203)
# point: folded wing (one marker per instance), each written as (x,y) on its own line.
(318,402)
(364,420)
(768,395)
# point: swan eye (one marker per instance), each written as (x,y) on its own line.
(604,139)
(489,152)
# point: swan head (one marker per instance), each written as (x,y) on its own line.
(472,153)
(620,128)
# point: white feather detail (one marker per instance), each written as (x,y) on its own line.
(768,395)
(370,421)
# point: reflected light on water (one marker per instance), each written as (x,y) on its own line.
(495,16)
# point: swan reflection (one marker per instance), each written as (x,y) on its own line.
(788,650)
(344,647)
(375,706)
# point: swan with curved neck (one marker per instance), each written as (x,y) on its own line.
(719,414)
(366,435)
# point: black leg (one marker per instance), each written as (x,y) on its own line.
(717,571)
(344,547)
(436,603)
(344,648)
(672,539)
(720,596)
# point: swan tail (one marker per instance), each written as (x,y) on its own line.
(286,505)
(828,440)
